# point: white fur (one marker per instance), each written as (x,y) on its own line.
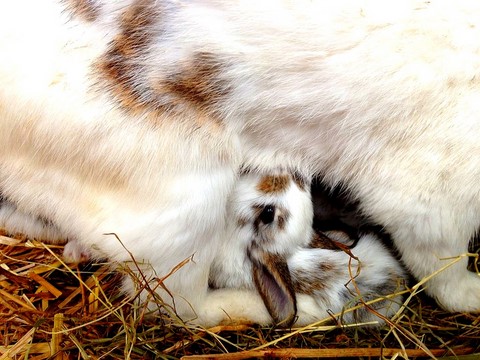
(293,201)
(231,267)
(381,96)
(373,276)
(18,222)
(342,283)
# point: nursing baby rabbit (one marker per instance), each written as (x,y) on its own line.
(269,246)
(135,117)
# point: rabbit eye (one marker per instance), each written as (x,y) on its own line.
(267,215)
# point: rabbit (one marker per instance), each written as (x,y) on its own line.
(302,276)
(136,117)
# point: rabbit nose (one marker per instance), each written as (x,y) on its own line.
(267,215)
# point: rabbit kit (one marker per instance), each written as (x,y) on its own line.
(192,130)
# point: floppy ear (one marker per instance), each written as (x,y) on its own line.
(272,280)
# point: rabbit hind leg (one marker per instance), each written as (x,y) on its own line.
(15,222)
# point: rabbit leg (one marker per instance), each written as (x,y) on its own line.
(15,221)
(439,256)
(432,231)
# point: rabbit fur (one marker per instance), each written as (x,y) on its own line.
(136,117)
(299,272)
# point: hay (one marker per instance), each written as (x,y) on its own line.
(50,310)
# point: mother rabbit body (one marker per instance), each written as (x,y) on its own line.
(136,117)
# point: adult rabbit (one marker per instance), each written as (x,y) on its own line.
(135,117)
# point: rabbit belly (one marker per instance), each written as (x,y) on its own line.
(381,97)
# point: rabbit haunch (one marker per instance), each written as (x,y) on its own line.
(137,121)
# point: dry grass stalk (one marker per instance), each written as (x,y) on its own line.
(50,310)
(324,353)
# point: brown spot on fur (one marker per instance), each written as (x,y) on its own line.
(121,65)
(184,96)
(273,184)
(321,241)
(242,221)
(282,221)
(326,267)
(87,10)
(200,82)
(136,25)
(308,282)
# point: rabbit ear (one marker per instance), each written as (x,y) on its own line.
(272,280)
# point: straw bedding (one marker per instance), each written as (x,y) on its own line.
(53,310)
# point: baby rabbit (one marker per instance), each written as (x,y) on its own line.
(135,117)
(301,276)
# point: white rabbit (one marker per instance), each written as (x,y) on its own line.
(134,117)
(270,247)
